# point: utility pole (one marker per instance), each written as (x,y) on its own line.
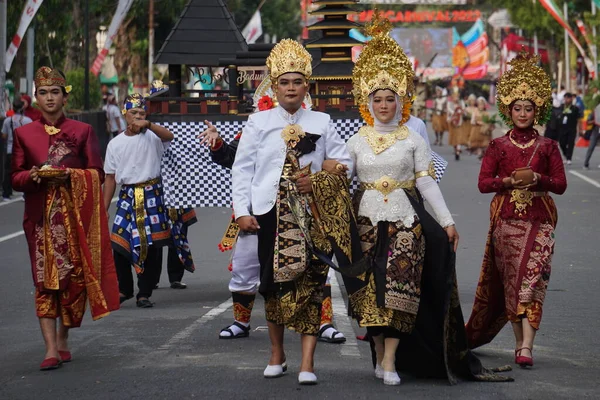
(594,48)
(30,59)
(3,4)
(86,49)
(567,66)
(150,43)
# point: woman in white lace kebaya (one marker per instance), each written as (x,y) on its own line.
(391,162)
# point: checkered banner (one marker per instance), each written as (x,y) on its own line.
(191,179)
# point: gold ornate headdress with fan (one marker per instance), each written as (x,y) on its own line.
(381,65)
(525,80)
(289,56)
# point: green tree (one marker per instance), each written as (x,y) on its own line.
(76,79)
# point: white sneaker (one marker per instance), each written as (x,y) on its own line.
(378,371)
(307,378)
(391,378)
(569,162)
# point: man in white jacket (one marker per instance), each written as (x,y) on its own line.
(291,282)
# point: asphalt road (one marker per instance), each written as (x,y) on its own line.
(173,350)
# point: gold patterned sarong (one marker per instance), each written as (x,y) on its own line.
(73,258)
(391,291)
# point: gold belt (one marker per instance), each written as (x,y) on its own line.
(140,215)
(386,185)
(523,199)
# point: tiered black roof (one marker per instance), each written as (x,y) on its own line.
(335,44)
(204,33)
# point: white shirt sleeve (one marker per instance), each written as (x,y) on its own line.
(422,154)
(110,160)
(351,146)
(417,125)
(335,149)
(242,171)
(433,195)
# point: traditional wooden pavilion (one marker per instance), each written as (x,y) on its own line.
(332,69)
(205,33)
(206,37)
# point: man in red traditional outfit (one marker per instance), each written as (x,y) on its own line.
(57,165)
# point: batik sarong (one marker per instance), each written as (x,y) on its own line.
(391,292)
(141,220)
(73,262)
(514,275)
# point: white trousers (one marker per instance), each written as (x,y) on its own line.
(245,268)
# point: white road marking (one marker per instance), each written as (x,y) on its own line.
(187,332)
(11,236)
(7,202)
(19,233)
(342,320)
(587,179)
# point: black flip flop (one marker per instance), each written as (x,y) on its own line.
(244,333)
(333,338)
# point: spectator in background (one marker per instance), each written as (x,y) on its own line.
(593,138)
(30,111)
(10,124)
(116,124)
(569,127)
(579,102)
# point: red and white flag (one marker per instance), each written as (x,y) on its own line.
(553,9)
(583,31)
(122,9)
(31,8)
(253,30)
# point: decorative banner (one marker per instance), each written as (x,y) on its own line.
(424,16)
(122,9)
(583,31)
(553,9)
(471,52)
(418,2)
(31,8)
(253,30)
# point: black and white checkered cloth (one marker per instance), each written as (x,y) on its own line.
(191,179)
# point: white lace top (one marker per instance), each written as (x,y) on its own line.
(400,161)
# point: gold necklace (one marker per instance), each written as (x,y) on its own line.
(380,142)
(521,146)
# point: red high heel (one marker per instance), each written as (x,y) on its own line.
(522,360)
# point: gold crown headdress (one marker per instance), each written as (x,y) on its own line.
(525,81)
(381,65)
(46,76)
(289,56)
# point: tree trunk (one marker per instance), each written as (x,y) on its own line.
(122,58)
(74,41)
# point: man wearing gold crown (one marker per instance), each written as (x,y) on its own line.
(407,298)
(521,168)
(245,267)
(276,177)
(57,165)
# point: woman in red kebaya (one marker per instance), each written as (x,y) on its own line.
(522,168)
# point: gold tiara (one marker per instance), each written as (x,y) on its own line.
(289,56)
(525,80)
